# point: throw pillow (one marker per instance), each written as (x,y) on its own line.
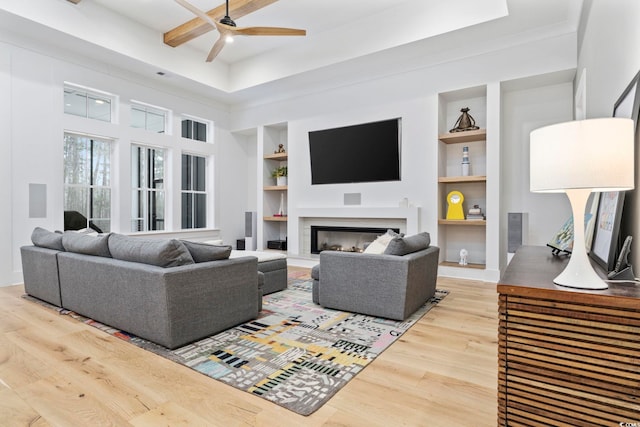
(379,245)
(406,245)
(47,239)
(87,244)
(160,252)
(203,252)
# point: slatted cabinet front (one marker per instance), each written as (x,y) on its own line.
(566,357)
(568,364)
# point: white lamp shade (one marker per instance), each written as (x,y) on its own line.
(595,154)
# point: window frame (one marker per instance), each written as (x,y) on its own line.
(148,188)
(90,93)
(194,222)
(197,120)
(91,187)
(151,109)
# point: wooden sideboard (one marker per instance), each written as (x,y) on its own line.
(566,357)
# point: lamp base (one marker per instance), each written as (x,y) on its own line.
(579,273)
(580,277)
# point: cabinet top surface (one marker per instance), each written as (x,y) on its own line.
(533,269)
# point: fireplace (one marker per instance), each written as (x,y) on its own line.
(346,239)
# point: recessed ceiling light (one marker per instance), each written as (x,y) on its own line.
(160,73)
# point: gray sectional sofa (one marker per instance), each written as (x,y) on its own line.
(170,292)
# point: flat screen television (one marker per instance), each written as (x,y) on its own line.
(365,152)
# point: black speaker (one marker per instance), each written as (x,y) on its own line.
(251,230)
(277,244)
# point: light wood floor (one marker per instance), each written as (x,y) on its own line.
(55,371)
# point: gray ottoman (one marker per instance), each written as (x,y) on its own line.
(272,265)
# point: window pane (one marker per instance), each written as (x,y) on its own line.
(99,108)
(137,225)
(137,167)
(102,225)
(101,203)
(199,175)
(187,210)
(75,199)
(76,156)
(157,177)
(186,172)
(200,132)
(137,205)
(101,163)
(75,103)
(138,118)
(200,211)
(187,129)
(155,122)
(156,209)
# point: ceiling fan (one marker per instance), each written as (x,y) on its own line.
(227,28)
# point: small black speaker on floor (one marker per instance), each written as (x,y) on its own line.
(277,244)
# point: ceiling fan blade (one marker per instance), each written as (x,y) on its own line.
(199,13)
(217,47)
(195,27)
(268,31)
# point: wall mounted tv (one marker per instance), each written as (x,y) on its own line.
(365,152)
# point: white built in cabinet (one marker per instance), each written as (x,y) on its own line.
(273,227)
(469,234)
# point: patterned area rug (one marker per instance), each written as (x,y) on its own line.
(296,354)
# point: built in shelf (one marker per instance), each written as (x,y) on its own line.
(276,156)
(455,264)
(474,222)
(459,179)
(275,218)
(468,136)
(275,188)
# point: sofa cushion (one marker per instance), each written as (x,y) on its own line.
(47,239)
(203,252)
(160,252)
(409,244)
(263,256)
(379,245)
(86,244)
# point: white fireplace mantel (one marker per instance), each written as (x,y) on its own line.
(409,214)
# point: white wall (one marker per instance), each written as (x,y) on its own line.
(412,95)
(6,170)
(32,126)
(523,111)
(610,52)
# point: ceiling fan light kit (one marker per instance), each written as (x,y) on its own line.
(227,28)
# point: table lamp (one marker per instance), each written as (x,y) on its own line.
(577,158)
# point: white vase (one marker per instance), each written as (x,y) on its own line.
(281,181)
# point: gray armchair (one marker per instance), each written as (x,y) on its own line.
(385,285)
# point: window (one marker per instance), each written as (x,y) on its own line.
(147,117)
(147,183)
(195,129)
(87,103)
(194,196)
(87,180)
